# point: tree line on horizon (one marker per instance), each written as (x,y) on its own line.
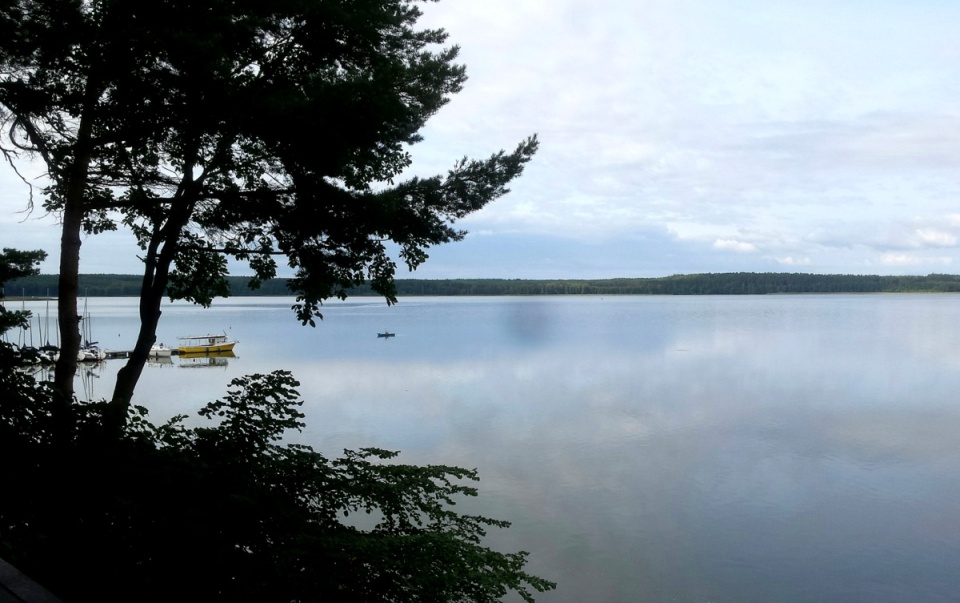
(731,283)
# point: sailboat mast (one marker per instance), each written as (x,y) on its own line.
(84,324)
(47,318)
(23,308)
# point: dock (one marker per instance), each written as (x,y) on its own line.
(18,588)
(114,354)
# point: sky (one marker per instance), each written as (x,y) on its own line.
(681,136)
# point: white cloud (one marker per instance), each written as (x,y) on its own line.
(900,259)
(937,238)
(731,245)
(824,134)
(904,259)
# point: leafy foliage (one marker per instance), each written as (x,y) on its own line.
(217,129)
(246,129)
(243,129)
(16,264)
(226,512)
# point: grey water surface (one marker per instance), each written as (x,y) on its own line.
(701,449)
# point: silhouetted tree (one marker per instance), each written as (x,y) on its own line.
(16,264)
(237,128)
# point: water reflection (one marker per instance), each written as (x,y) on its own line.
(205,360)
(89,375)
(160,361)
(770,448)
(739,462)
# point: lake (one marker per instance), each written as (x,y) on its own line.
(701,449)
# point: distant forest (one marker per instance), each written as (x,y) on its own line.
(733,283)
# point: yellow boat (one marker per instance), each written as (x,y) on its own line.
(205,344)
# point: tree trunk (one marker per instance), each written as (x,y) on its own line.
(151,294)
(156,274)
(69,319)
(73,213)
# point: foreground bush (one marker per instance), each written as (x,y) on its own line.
(225,512)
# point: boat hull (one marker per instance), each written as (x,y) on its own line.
(217,348)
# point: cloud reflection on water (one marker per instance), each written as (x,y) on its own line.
(738,461)
(724,449)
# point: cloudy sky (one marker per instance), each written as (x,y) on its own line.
(682,136)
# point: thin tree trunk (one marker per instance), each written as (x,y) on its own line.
(156,274)
(151,294)
(67,303)
(73,212)
(161,251)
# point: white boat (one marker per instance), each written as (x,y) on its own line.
(158,350)
(205,344)
(49,354)
(91,352)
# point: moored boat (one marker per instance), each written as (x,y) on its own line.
(49,354)
(205,344)
(158,350)
(91,352)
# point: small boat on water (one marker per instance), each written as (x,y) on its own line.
(49,354)
(158,350)
(91,352)
(386,334)
(205,344)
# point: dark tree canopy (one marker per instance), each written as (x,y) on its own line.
(241,128)
(16,264)
(252,130)
(225,512)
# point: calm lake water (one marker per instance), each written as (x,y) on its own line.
(701,449)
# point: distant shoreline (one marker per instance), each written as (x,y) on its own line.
(42,287)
